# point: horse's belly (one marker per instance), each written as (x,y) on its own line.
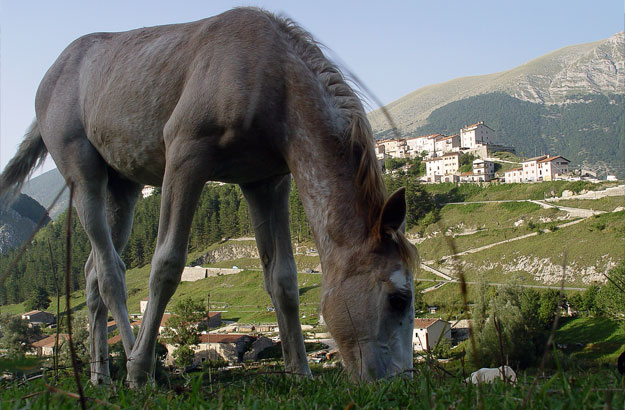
(139,160)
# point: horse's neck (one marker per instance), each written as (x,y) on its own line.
(325,182)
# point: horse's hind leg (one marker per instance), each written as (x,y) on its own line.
(121,199)
(269,210)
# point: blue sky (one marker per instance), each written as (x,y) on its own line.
(394,47)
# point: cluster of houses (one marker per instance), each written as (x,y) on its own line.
(239,343)
(442,154)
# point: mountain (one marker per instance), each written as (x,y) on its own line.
(18,221)
(547,94)
(44,188)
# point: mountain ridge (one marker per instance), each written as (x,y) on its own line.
(589,68)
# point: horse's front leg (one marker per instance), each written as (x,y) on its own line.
(180,193)
(269,210)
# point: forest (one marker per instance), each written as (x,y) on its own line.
(586,129)
(221,214)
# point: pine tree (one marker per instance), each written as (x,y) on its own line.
(38,300)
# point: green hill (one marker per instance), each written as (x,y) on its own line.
(568,102)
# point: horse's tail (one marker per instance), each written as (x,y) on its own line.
(30,155)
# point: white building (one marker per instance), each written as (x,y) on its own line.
(147,191)
(552,168)
(513,176)
(393,148)
(483,170)
(475,135)
(544,168)
(447,144)
(530,169)
(437,167)
(427,333)
(45,346)
(416,145)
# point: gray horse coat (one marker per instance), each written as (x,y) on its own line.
(243,97)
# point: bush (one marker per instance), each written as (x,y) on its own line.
(442,350)
(183,356)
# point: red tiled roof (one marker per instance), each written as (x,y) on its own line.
(514,169)
(448,137)
(476,124)
(549,159)
(424,323)
(115,339)
(431,137)
(538,158)
(50,340)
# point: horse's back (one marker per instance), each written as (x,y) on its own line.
(132,91)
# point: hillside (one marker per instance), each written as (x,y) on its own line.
(545,95)
(591,246)
(18,220)
(44,188)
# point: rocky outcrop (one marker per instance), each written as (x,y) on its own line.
(14,229)
(549,272)
(228,251)
(591,68)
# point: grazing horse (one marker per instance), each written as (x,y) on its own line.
(244,97)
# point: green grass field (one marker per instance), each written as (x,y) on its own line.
(592,339)
(266,388)
(607,204)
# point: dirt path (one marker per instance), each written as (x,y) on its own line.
(580,213)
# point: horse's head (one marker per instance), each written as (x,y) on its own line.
(369,306)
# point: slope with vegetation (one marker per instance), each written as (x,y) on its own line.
(569,102)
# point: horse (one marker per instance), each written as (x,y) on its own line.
(244,97)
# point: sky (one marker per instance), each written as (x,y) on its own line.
(393,47)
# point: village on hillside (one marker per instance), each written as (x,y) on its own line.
(442,156)
(234,343)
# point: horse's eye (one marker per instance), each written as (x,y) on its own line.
(399,301)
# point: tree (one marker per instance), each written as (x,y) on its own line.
(183,327)
(549,307)
(38,300)
(183,356)
(466,162)
(502,319)
(589,300)
(17,337)
(80,339)
(611,297)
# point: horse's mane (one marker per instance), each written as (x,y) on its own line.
(370,189)
(371,192)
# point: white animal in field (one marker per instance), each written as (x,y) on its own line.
(488,375)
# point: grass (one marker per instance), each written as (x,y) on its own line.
(600,339)
(492,222)
(607,204)
(589,246)
(330,389)
(450,192)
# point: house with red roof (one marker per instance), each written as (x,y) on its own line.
(427,333)
(45,346)
(544,168)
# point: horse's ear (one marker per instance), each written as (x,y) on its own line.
(393,213)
